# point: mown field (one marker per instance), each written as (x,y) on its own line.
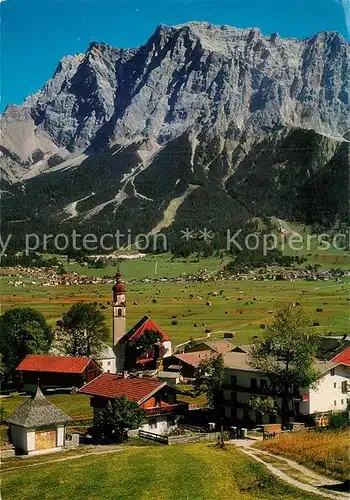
(240,307)
(72,404)
(327,452)
(196,472)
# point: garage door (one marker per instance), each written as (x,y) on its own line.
(45,440)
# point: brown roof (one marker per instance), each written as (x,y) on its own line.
(239,361)
(110,385)
(194,358)
(54,364)
(36,412)
(219,346)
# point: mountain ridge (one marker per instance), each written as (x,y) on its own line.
(121,133)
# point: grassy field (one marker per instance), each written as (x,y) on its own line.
(196,472)
(326,452)
(232,310)
(72,404)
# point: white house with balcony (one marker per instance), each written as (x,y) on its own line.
(242,382)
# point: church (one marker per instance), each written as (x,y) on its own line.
(144,346)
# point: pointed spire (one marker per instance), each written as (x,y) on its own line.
(38,393)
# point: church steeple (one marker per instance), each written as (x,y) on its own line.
(119,309)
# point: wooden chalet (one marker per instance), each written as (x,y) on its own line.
(56,371)
(154,396)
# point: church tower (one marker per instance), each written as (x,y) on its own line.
(119,310)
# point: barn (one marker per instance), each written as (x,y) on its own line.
(53,372)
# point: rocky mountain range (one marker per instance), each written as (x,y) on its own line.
(202,125)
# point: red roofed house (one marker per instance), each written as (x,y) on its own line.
(343,357)
(56,371)
(128,347)
(154,396)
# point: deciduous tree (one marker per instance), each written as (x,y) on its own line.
(116,417)
(285,354)
(209,377)
(82,330)
(23,331)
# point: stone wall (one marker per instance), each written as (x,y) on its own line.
(7,451)
(73,442)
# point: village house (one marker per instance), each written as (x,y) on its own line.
(187,363)
(154,396)
(215,346)
(37,426)
(188,359)
(242,381)
(55,372)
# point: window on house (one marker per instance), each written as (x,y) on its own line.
(344,387)
(233,397)
(334,403)
(246,416)
(263,384)
(108,363)
(332,372)
(272,419)
(335,385)
(342,401)
(120,312)
(234,413)
(253,383)
(233,380)
(108,371)
(152,423)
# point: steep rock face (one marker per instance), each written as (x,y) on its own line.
(233,82)
(254,122)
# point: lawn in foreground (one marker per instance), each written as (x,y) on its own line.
(196,472)
(327,452)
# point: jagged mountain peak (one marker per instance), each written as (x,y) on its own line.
(216,80)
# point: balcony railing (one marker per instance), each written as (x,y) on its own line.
(176,409)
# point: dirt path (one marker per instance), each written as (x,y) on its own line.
(293,473)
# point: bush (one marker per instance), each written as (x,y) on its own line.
(339,420)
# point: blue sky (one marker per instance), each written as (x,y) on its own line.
(35,34)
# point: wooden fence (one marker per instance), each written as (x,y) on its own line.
(153,437)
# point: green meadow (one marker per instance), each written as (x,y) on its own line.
(180,308)
(196,472)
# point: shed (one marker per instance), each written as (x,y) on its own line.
(37,426)
(169,377)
